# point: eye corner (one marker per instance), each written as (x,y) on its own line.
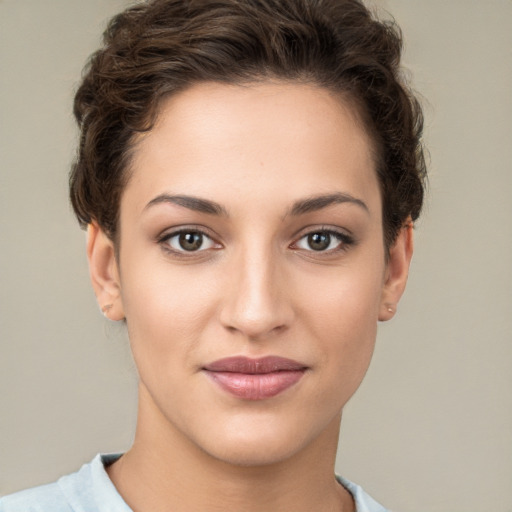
(323,241)
(187,242)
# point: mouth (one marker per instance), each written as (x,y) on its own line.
(255,379)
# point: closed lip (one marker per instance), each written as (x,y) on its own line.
(255,379)
(241,364)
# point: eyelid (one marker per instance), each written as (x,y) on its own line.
(346,239)
(315,228)
(169,233)
(184,228)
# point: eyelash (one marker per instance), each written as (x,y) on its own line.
(164,241)
(344,241)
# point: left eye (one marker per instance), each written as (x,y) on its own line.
(321,241)
(190,241)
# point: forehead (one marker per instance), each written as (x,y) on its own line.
(244,142)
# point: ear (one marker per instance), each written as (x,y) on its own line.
(397,270)
(104,272)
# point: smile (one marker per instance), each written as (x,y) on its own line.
(255,379)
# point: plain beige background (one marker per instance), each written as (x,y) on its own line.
(431,427)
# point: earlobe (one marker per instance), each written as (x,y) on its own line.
(104,272)
(397,270)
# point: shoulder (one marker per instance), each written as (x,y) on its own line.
(44,498)
(363,501)
(87,490)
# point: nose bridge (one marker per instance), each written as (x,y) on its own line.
(256,302)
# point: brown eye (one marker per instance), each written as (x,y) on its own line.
(324,241)
(189,241)
(319,241)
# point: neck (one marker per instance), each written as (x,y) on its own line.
(165,471)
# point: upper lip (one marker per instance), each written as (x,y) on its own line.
(241,364)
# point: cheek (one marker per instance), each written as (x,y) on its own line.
(342,298)
(341,311)
(166,309)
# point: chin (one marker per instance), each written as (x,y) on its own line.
(263,445)
(247,454)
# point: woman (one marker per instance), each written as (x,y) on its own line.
(249,173)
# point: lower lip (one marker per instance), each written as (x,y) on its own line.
(256,386)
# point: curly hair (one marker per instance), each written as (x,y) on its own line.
(159,47)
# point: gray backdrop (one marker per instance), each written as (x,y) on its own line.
(431,427)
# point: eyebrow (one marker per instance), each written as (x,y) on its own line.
(315,203)
(300,207)
(192,203)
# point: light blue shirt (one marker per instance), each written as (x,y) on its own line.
(91,490)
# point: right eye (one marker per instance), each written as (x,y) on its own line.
(189,241)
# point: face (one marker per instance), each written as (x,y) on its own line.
(251,267)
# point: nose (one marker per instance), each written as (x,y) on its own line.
(257,299)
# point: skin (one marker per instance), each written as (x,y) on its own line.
(255,288)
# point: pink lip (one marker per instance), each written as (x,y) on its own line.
(255,379)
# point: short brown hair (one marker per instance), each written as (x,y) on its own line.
(159,47)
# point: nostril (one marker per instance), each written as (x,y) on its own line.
(255,333)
